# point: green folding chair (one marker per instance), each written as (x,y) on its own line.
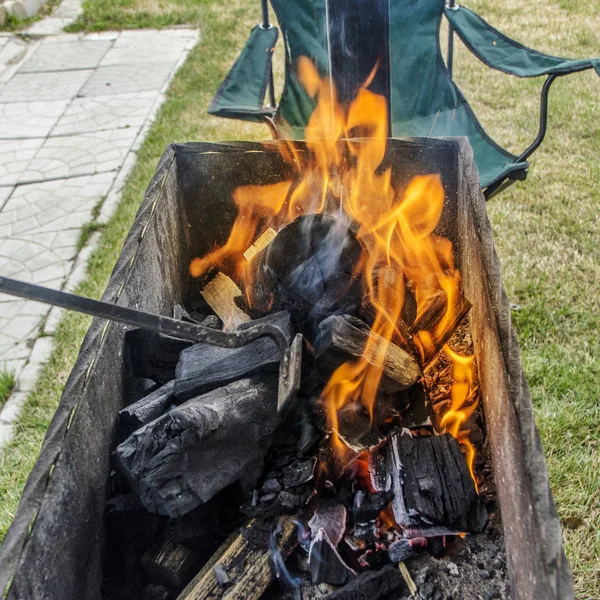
(345,38)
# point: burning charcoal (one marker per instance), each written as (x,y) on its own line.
(371,585)
(247,567)
(297,499)
(342,337)
(381,479)
(220,293)
(355,428)
(171,564)
(203,367)
(154,355)
(367,531)
(326,565)
(330,516)
(182,459)
(300,471)
(433,489)
(147,409)
(401,550)
(308,269)
(367,505)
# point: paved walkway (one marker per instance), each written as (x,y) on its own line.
(73,111)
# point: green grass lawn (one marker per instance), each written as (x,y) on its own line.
(546,229)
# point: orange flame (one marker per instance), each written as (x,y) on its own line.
(462,405)
(342,176)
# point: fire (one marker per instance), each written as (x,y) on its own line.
(462,404)
(347,177)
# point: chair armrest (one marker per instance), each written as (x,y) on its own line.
(499,52)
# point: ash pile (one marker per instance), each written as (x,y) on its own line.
(373,481)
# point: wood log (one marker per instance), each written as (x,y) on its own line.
(262,242)
(342,337)
(240,569)
(203,367)
(220,293)
(147,409)
(154,355)
(309,269)
(434,310)
(182,459)
(433,490)
(170,563)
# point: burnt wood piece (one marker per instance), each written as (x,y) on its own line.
(182,459)
(326,565)
(433,312)
(433,490)
(170,563)
(247,567)
(355,428)
(371,585)
(203,367)
(147,409)
(330,516)
(343,337)
(368,505)
(310,270)
(220,294)
(154,355)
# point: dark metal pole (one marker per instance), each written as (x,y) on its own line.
(543,119)
(113,312)
(450,57)
(265,14)
(267,25)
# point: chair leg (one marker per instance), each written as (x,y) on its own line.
(496,188)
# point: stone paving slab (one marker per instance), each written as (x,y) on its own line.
(15,156)
(66,56)
(75,155)
(61,85)
(105,112)
(73,111)
(53,205)
(120,79)
(30,119)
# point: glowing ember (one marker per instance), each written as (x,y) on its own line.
(347,178)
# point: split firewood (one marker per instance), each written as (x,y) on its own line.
(342,337)
(240,568)
(153,355)
(262,242)
(147,409)
(170,563)
(182,459)
(203,367)
(220,293)
(434,310)
(309,269)
(433,490)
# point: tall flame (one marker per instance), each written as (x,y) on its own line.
(396,227)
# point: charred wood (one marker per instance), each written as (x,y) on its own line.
(182,459)
(326,565)
(342,337)
(203,367)
(371,585)
(433,490)
(154,355)
(170,563)
(240,569)
(147,409)
(310,270)
(220,294)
